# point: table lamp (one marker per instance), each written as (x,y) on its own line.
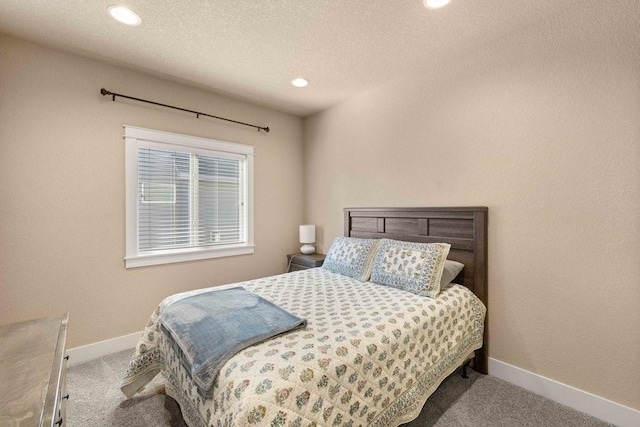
(307,236)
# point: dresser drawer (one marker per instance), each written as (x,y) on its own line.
(63,396)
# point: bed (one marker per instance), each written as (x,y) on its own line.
(370,354)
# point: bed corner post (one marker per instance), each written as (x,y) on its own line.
(480,217)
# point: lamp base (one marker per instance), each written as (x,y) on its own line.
(307,249)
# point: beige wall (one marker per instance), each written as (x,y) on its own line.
(544,129)
(62,213)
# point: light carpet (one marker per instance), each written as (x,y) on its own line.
(480,400)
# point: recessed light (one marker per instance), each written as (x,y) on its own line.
(299,82)
(435,4)
(124,15)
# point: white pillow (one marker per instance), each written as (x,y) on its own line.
(451,270)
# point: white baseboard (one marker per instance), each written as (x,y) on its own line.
(93,351)
(580,400)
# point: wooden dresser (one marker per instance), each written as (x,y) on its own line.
(33,369)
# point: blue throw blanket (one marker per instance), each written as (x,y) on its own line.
(207,329)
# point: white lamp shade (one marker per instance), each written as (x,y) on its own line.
(307,233)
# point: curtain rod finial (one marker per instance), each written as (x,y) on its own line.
(105,92)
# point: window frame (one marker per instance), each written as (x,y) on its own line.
(136,137)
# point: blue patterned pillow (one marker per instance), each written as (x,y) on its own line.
(351,257)
(414,267)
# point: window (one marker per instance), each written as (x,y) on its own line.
(187,198)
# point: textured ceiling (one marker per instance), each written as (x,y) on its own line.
(253,48)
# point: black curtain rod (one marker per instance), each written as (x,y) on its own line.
(106,92)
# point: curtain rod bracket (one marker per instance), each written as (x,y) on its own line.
(105,92)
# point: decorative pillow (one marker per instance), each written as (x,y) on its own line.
(351,257)
(414,267)
(450,271)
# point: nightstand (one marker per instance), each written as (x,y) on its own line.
(302,262)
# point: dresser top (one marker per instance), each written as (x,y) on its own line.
(27,353)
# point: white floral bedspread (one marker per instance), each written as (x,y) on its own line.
(370,355)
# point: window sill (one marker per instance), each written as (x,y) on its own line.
(187,255)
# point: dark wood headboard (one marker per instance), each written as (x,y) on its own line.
(464,228)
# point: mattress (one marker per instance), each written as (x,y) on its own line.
(370,355)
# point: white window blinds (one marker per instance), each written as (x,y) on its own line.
(191,201)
